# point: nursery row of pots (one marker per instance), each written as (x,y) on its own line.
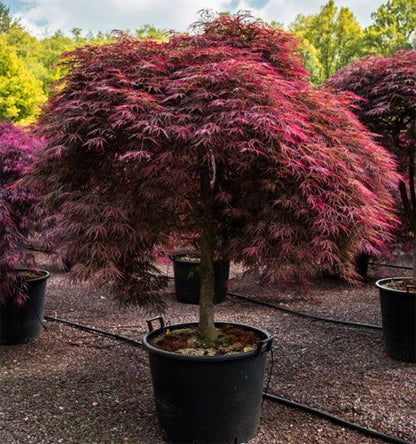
(230,385)
(218,140)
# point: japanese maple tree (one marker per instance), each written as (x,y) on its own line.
(215,137)
(19,206)
(386,87)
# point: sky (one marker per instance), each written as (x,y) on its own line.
(46,16)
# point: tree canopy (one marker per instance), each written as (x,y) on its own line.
(19,205)
(393,27)
(387,87)
(331,39)
(216,139)
(20,91)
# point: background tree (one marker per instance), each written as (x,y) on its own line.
(29,51)
(20,92)
(216,138)
(388,87)
(6,20)
(333,37)
(51,49)
(19,205)
(152,33)
(393,28)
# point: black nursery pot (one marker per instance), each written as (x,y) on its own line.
(188,280)
(398,310)
(208,399)
(20,324)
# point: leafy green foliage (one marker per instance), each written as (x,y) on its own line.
(393,28)
(148,32)
(20,92)
(331,39)
(6,20)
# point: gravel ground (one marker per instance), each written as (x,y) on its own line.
(70,386)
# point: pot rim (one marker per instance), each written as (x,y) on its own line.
(381,283)
(193,261)
(45,274)
(263,344)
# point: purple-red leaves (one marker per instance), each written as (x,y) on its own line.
(18,205)
(296,183)
(385,89)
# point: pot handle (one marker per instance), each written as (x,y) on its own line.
(264,345)
(157,318)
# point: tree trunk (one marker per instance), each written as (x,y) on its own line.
(206,301)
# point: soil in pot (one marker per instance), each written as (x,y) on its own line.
(231,339)
(402,284)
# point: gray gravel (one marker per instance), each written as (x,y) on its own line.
(70,386)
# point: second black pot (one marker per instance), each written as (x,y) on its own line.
(188,280)
(398,310)
(20,324)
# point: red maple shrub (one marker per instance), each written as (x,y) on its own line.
(216,137)
(386,87)
(19,206)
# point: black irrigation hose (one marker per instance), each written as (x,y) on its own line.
(95,330)
(334,419)
(404,267)
(267,396)
(286,402)
(305,315)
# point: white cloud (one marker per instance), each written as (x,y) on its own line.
(106,15)
(285,11)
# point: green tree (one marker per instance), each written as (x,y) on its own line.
(393,28)
(310,55)
(151,33)
(51,49)
(6,20)
(331,39)
(29,50)
(20,91)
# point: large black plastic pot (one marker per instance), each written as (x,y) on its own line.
(20,324)
(188,280)
(207,399)
(398,310)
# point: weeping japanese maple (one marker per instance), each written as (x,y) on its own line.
(19,207)
(216,137)
(386,89)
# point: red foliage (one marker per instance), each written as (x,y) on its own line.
(18,206)
(142,135)
(386,87)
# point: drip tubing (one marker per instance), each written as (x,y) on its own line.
(273,398)
(306,315)
(96,330)
(334,419)
(404,267)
